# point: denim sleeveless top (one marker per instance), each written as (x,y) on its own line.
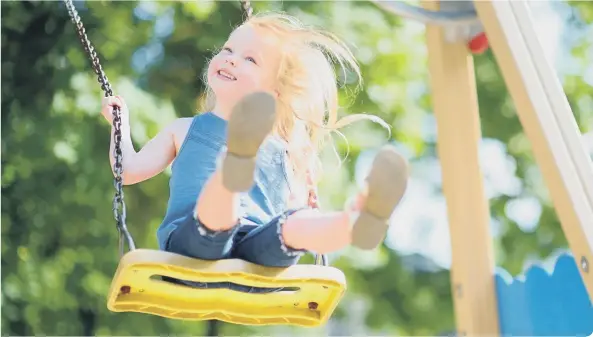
(196,161)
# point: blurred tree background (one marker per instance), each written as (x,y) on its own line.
(59,243)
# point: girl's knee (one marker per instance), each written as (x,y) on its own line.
(265,245)
(191,238)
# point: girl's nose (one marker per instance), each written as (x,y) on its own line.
(231,61)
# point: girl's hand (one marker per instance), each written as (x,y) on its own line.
(355,203)
(313,200)
(109,103)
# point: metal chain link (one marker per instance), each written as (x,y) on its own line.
(119,205)
(246,6)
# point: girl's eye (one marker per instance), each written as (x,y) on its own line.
(250,59)
(227,49)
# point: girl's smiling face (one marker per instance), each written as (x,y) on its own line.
(248,62)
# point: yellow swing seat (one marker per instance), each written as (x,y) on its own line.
(138,287)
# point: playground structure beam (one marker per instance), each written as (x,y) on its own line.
(425,15)
(455,103)
(548,122)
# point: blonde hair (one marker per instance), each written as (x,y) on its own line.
(307,105)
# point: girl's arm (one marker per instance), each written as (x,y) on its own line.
(152,159)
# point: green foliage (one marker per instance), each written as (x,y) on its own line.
(59,243)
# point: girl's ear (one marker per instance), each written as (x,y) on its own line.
(277,93)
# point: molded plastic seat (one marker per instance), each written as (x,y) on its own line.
(138,286)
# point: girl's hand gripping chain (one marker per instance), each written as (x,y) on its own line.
(108,104)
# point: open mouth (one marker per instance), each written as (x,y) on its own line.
(226,75)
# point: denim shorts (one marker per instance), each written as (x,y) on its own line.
(259,244)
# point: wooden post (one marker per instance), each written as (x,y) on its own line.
(455,104)
(547,120)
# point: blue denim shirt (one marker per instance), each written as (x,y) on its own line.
(196,161)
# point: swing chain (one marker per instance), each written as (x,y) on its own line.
(246,6)
(119,205)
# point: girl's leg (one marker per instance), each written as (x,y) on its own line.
(365,226)
(319,232)
(193,239)
(263,245)
(249,124)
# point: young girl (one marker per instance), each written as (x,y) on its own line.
(244,176)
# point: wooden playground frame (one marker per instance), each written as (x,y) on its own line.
(550,126)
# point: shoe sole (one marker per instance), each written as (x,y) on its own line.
(251,121)
(387,183)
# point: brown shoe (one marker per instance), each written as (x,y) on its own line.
(251,121)
(386,183)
